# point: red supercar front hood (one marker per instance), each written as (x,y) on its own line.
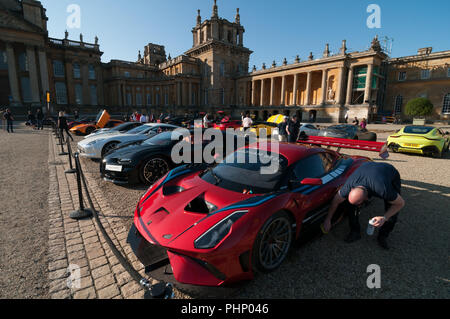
(162,219)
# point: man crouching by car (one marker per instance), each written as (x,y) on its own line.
(381,180)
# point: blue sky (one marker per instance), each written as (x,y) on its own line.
(274,29)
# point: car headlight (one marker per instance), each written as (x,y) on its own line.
(215,234)
(124,161)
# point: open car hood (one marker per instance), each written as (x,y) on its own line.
(103,119)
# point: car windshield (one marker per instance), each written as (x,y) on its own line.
(248,171)
(165,138)
(120,127)
(140,129)
(341,127)
(417,129)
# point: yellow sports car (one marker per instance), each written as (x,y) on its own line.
(424,140)
(271,126)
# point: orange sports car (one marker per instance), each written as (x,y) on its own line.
(103,121)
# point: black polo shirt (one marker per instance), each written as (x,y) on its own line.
(381,180)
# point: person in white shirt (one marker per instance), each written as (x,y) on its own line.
(143,119)
(206,121)
(247,121)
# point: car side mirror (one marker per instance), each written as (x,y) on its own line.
(312,181)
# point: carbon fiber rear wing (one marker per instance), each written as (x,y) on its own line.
(340,143)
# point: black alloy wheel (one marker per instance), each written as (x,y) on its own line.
(153,169)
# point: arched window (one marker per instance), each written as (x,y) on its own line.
(398,104)
(446,104)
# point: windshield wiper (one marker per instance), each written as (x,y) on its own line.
(217,178)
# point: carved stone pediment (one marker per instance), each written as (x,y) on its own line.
(10,20)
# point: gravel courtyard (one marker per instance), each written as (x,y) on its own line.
(24,213)
(416,266)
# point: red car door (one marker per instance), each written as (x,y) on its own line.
(312,201)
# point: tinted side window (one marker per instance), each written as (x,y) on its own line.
(311,167)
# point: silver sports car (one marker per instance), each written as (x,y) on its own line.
(97,146)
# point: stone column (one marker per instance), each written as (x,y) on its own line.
(44,70)
(178,93)
(253,92)
(85,78)
(294,103)
(190,95)
(12,74)
(119,95)
(308,88)
(34,82)
(368,90)
(340,87)
(262,93)
(272,91)
(283,91)
(324,86)
(348,100)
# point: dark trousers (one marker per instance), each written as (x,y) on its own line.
(9,125)
(353,214)
(66,129)
(40,124)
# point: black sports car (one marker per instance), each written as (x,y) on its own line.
(147,161)
(348,131)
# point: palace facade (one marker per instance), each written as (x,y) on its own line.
(212,75)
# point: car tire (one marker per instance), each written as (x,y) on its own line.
(153,169)
(108,147)
(372,137)
(277,228)
(437,154)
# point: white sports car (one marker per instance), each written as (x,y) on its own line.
(97,146)
(122,128)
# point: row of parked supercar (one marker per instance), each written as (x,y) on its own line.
(221,223)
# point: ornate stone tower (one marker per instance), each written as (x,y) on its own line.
(154,54)
(219,45)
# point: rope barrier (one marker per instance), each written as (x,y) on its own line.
(158,291)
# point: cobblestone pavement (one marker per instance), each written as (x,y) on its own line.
(78,247)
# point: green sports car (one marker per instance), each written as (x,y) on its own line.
(424,140)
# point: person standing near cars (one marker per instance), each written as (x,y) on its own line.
(293,130)
(381,180)
(62,125)
(247,122)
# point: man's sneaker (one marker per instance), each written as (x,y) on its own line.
(382,242)
(352,237)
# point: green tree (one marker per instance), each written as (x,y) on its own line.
(419,107)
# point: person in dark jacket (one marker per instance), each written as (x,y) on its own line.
(293,130)
(62,125)
(9,120)
(31,120)
(40,119)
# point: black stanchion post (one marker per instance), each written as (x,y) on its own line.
(82,212)
(69,152)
